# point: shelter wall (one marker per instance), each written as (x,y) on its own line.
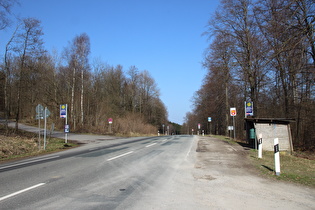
(271,131)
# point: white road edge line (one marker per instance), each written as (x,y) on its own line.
(127,153)
(21,191)
(188,153)
(150,145)
(31,161)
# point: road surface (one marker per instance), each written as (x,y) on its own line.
(166,172)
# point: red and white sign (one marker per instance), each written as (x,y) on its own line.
(233,111)
(110,120)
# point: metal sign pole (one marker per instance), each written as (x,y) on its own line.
(210,129)
(234,127)
(66,133)
(38,132)
(45,126)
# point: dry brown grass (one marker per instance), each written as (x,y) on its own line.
(293,168)
(132,125)
(16,145)
(24,144)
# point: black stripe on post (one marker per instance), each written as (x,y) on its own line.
(276,148)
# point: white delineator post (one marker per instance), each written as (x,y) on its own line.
(260,145)
(277,156)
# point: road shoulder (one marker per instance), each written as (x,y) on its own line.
(226,179)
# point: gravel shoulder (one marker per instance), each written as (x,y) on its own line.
(218,175)
(232,183)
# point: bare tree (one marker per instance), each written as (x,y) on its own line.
(219,62)
(7,74)
(5,11)
(236,19)
(132,82)
(266,49)
(28,45)
(304,11)
(78,53)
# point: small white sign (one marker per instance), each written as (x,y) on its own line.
(233,111)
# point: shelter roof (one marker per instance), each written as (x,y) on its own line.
(284,121)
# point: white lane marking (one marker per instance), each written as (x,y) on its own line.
(189,149)
(21,191)
(150,145)
(127,153)
(31,161)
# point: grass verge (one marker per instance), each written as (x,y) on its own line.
(224,138)
(25,144)
(293,169)
(297,168)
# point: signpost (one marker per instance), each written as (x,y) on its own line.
(63,111)
(110,122)
(67,128)
(209,121)
(249,109)
(233,111)
(63,114)
(230,129)
(39,114)
(42,113)
(233,114)
(46,114)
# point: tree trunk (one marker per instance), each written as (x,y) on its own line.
(72,100)
(82,92)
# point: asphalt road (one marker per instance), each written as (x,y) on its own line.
(166,172)
(95,176)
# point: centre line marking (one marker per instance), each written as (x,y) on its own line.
(21,191)
(150,145)
(127,153)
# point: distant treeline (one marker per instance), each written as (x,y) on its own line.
(263,52)
(94,92)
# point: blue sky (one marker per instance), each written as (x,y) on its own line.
(163,37)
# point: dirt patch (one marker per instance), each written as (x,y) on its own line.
(214,152)
(226,179)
